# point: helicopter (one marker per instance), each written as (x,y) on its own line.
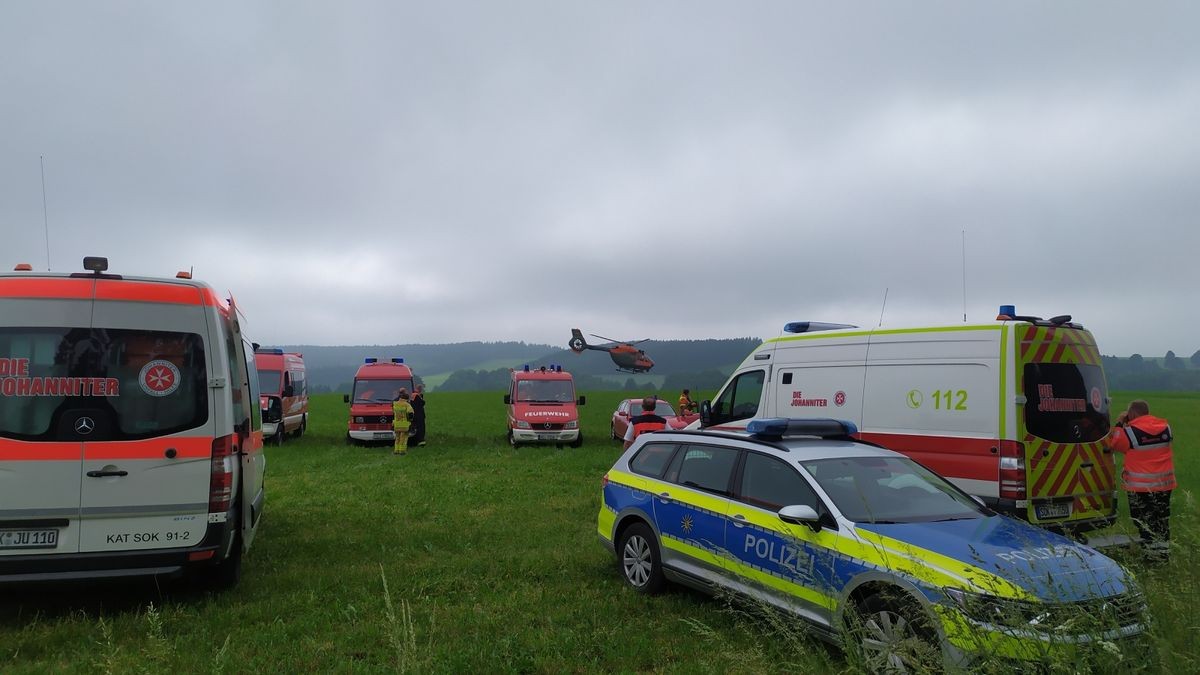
(627,357)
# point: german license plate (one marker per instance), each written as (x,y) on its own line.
(382,436)
(547,437)
(28,539)
(1052,510)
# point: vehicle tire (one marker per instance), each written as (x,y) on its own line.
(638,559)
(512,441)
(891,633)
(578,442)
(612,431)
(277,439)
(227,573)
(303,426)
(349,440)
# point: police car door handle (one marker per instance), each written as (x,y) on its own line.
(102,474)
(739,520)
(664,495)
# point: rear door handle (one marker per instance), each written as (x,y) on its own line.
(664,496)
(102,474)
(739,520)
(1087,465)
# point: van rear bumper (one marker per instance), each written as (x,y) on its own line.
(1009,508)
(104,565)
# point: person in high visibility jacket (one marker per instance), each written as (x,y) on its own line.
(686,404)
(402,417)
(1149,473)
(645,422)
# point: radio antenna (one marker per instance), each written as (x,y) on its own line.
(885,292)
(45,217)
(964,274)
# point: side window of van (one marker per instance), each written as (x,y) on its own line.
(255,412)
(740,399)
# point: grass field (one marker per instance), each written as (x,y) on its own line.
(469,556)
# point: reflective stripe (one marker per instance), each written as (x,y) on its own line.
(1161,474)
(147,510)
(14,514)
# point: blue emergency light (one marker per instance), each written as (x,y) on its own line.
(1006,312)
(370,360)
(527,367)
(275,350)
(775,428)
(813,326)
(397,359)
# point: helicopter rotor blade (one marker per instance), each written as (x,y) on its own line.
(605,338)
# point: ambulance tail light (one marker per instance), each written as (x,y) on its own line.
(1012,470)
(220,482)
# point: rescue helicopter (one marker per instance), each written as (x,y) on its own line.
(627,357)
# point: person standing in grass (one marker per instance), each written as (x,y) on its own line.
(645,422)
(1148,475)
(686,404)
(402,416)
(417,436)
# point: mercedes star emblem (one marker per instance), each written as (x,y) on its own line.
(84,426)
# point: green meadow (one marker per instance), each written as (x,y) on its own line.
(470,556)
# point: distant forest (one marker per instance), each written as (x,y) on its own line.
(1167,373)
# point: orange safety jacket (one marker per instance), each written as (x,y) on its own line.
(1146,444)
(686,404)
(403,414)
(647,422)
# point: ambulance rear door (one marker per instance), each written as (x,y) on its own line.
(1065,418)
(44,331)
(147,464)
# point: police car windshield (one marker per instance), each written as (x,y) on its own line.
(545,391)
(268,381)
(379,391)
(890,490)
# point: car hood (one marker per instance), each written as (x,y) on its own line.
(1047,565)
(555,413)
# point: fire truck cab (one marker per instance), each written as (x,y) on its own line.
(284,397)
(1014,412)
(542,407)
(130,436)
(376,386)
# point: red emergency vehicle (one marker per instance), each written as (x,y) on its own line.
(284,398)
(542,407)
(376,386)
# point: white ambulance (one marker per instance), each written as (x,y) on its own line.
(1014,412)
(130,434)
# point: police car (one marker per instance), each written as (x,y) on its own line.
(870,549)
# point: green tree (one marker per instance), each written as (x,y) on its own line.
(1196,359)
(1172,362)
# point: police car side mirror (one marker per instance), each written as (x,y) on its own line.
(582,400)
(508,399)
(705,413)
(345,398)
(801,514)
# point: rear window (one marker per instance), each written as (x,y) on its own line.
(135,384)
(1065,402)
(652,459)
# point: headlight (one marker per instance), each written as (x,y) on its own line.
(573,424)
(522,424)
(358,420)
(1083,616)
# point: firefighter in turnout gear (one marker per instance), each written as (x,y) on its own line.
(1148,475)
(645,422)
(686,404)
(402,412)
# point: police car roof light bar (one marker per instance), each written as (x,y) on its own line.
(813,326)
(370,359)
(775,428)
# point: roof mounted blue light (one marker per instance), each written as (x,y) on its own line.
(775,428)
(397,359)
(370,359)
(813,326)
(1006,312)
(273,350)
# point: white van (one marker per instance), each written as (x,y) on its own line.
(1014,412)
(130,433)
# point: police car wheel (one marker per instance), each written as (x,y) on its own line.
(637,554)
(892,635)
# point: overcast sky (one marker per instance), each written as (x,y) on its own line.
(391,172)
